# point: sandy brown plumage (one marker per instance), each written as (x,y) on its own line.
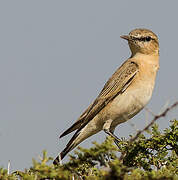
(125,93)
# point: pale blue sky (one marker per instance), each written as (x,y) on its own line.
(55,57)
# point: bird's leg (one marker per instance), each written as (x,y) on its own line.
(116,139)
(116,143)
(107,130)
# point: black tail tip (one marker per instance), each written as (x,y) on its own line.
(56,161)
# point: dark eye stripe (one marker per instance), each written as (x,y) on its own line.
(144,39)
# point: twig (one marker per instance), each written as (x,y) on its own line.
(60,160)
(8,167)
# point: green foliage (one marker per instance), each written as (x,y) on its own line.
(153,156)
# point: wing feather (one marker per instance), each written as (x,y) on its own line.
(118,83)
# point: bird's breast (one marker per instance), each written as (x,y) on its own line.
(127,104)
(130,102)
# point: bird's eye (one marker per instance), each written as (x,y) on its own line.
(148,38)
(143,39)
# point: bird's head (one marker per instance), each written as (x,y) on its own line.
(142,41)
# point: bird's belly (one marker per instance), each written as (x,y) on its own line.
(128,104)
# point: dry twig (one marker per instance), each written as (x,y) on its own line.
(156,117)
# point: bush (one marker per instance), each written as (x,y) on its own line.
(152,155)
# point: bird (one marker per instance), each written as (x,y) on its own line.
(124,95)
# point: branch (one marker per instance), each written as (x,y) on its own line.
(156,117)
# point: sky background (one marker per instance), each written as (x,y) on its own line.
(55,57)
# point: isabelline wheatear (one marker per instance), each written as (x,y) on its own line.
(126,93)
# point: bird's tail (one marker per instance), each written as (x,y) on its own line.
(81,134)
(77,138)
(59,158)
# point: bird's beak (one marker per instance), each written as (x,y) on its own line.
(127,37)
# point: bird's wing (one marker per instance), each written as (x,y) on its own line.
(117,84)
